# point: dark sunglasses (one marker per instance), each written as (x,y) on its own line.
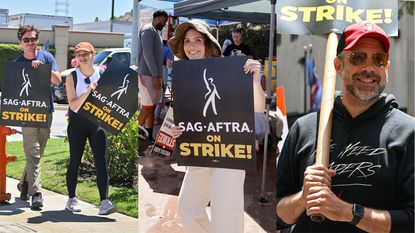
(358,58)
(87,80)
(27,39)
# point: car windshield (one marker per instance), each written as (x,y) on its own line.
(100,57)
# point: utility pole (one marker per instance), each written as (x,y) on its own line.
(308,50)
(112,16)
(134,32)
(305,78)
(61,7)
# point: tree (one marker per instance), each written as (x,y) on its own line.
(406,5)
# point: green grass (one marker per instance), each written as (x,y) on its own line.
(54,164)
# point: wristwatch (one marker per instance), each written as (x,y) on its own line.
(358,213)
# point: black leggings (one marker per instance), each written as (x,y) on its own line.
(80,129)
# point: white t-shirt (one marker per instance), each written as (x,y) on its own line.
(81,85)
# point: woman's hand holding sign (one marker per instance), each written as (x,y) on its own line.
(177,131)
(254,67)
(92,86)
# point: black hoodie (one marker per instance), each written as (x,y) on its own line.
(373,155)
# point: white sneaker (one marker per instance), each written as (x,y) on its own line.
(73,205)
(107,207)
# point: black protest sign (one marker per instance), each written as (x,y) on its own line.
(25,98)
(325,16)
(114,101)
(213,104)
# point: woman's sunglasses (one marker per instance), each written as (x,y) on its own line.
(378,59)
(27,39)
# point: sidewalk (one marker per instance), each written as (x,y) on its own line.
(18,217)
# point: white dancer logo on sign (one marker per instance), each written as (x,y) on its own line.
(122,89)
(26,84)
(210,95)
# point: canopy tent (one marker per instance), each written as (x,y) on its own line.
(254,11)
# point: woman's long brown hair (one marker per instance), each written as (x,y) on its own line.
(210,47)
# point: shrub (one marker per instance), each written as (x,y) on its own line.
(122,161)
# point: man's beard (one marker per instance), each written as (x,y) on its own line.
(159,27)
(363,94)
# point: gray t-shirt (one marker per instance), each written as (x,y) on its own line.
(150,52)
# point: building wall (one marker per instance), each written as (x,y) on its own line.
(401,75)
(98,39)
(290,73)
(105,26)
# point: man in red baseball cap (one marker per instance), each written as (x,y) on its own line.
(354,32)
(369,184)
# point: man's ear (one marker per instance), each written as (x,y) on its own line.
(338,65)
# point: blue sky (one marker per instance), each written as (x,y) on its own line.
(82,11)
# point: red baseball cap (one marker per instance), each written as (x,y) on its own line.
(354,32)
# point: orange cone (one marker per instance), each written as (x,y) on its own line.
(283,112)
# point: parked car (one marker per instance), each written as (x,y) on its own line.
(122,55)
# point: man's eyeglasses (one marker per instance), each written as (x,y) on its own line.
(378,59)
(27,39)
(87,80)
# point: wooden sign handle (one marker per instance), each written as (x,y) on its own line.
(326,109)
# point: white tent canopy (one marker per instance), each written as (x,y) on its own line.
(255,11)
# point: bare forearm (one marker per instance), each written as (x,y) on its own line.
(74,101)
(372,221)
(77,102)
(56,77)
(290,208)
(259,96)
(375,221)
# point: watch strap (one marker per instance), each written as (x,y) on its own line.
(358,213)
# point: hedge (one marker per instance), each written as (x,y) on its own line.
(8,52)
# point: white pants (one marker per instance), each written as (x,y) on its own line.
(224,188)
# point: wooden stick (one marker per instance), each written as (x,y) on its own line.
(326,110)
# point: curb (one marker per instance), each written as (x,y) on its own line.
(61,106)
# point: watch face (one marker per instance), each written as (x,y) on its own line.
(358,210)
